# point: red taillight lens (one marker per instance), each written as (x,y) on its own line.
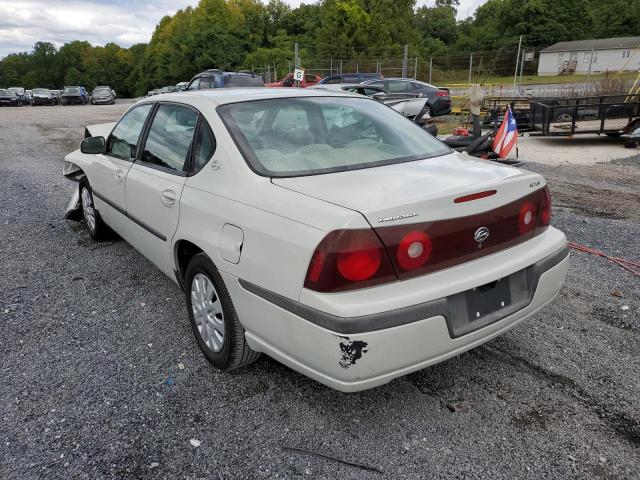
(349,259)
(359,265)
(545,209)
(442,93)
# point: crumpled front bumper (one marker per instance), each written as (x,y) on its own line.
(74,208)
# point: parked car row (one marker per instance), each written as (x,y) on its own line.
(178,87)
(416,100)
(18,96)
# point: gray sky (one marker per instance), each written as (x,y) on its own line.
(125,22)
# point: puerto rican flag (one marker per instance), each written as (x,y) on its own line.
(506,136)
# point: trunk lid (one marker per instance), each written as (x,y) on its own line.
(418,191)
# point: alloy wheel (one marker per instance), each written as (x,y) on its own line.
(207,312)
(87,209)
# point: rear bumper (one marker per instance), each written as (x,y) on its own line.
(383,346)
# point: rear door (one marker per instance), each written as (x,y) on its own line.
(108,171)
(155,181)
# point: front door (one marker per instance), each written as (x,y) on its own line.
(110,170)
(154,182)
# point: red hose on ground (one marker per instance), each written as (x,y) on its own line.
(626,264)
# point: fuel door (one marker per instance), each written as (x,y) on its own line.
(231,243)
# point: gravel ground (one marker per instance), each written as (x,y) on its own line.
(101,377)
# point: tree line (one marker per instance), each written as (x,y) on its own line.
(248,34)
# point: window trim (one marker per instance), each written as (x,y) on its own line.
(143,142)
(144,126)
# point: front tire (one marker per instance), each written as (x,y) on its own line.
(213,317)
(97,228)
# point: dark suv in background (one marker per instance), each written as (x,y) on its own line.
(73,94)
(216,78)
(350,78)
(438,99)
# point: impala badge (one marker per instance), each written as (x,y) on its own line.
(397,217)
(481,235)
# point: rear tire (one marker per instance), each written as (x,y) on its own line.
(213,317)
(98,230)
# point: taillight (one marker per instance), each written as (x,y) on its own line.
(527,218)
(414,250)
(545,208)
(352,259)
(442,93)
(349,259)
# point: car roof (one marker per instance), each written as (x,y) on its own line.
(222,96)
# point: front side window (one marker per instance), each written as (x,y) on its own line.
(169,137)
(123,140)
(285,137)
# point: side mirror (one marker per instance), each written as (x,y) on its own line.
(93,145)
(379,95)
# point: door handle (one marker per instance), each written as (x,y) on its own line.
(119,176)
(168,198)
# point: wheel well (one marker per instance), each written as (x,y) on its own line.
(185,251)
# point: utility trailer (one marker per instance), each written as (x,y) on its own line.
(612,115)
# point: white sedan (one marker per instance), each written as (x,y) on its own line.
(320,228)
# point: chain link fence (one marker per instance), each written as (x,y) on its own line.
(503,71)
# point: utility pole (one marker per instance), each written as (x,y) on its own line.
(430,67)
(405,60)
(331,69)
(522,64)
(340,66)
(590,63)
(415,72)
(296,60)
(515,74)
(470,66)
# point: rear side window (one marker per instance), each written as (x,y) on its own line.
(204,146)
(124,138)
(169,137)
(243,81)
(398,86)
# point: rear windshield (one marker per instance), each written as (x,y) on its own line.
(71,90)
(286,137)
(102,90)
(41,90)
(243,81)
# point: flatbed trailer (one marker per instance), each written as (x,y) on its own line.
(612,115)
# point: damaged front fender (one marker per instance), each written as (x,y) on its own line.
(74,209)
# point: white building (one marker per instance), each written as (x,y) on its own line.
(584,56)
